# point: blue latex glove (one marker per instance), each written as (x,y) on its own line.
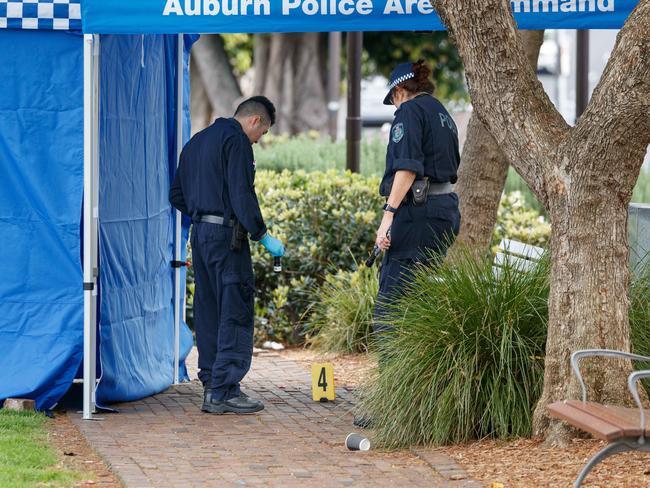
(273,245)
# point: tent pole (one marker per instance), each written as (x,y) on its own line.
(95,222)
(88,284)
(177,239)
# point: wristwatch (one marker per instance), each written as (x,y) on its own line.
(388,208)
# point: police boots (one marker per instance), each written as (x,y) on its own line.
(239,404)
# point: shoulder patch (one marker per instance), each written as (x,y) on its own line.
(398,132)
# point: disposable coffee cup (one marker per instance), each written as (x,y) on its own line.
(356,442)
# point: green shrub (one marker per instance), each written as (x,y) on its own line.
(341,319)
(465,358)
(327,221)
(517,220)
(310,152)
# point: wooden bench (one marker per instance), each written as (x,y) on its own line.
(518,255)
(625,429)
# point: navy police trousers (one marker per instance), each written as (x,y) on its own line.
(223,308)
(418,234)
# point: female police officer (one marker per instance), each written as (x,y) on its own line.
(421,216)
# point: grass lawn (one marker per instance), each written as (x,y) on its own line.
(26,460)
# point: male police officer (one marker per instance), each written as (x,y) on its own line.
(214,185)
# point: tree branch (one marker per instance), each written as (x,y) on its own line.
(506,94)
(625,85)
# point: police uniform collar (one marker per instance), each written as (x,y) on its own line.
(236,123)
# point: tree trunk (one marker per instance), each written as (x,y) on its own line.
(482,174)
(261,50)
(587,304)
(583,175)
(200,106)
(219,82)
(288,70)
(310,94)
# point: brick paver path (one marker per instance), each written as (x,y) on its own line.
(166,441)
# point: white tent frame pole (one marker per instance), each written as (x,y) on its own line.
(177,239)
(95,222)
(90,224)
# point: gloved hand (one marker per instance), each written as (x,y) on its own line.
(272,245)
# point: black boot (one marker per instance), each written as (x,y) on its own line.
(238,404)
(207,397)
(362,421)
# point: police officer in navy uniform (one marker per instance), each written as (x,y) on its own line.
(214,185)
(421,216)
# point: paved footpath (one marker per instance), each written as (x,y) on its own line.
(166,441)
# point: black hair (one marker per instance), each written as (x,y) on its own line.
(257,105)
(421,83)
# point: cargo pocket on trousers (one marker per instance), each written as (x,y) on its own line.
(238,299)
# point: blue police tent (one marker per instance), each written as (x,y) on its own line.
(97,118)
(130,140)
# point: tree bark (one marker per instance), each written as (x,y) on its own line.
(288,70)
(261,50)
(200,106)
(219,82)
(483,172)
(584,176)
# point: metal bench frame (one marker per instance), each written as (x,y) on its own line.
(627,443)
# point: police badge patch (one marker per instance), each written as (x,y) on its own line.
(398,132)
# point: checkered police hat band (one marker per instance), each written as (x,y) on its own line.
(40,14)
(401,79)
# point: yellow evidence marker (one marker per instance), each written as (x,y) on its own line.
(322,382)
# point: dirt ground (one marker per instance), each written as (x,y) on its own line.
(349,369)
(76,455)
(521,463)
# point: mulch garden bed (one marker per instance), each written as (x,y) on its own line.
(520,463)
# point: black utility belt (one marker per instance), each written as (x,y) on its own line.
(215,219)
(422,189)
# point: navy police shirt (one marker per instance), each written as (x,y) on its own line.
(216,176)
(424,140)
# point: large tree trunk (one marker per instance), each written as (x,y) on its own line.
(200,106)
(288,70)
(583,175)
(482,174)
(219,82)
(587,304)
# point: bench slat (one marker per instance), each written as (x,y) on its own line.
(585,421)
(526,250)
(516,262)
(602,421)
(627,419)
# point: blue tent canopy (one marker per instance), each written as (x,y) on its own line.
(223,16)
(41,215)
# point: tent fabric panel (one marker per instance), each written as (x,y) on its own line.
(137,78)
(41,153)
(265,16)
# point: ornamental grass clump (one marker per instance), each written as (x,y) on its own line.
(464,359)
(640,314)
(341,318)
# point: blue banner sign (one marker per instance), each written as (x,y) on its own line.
(230,16)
